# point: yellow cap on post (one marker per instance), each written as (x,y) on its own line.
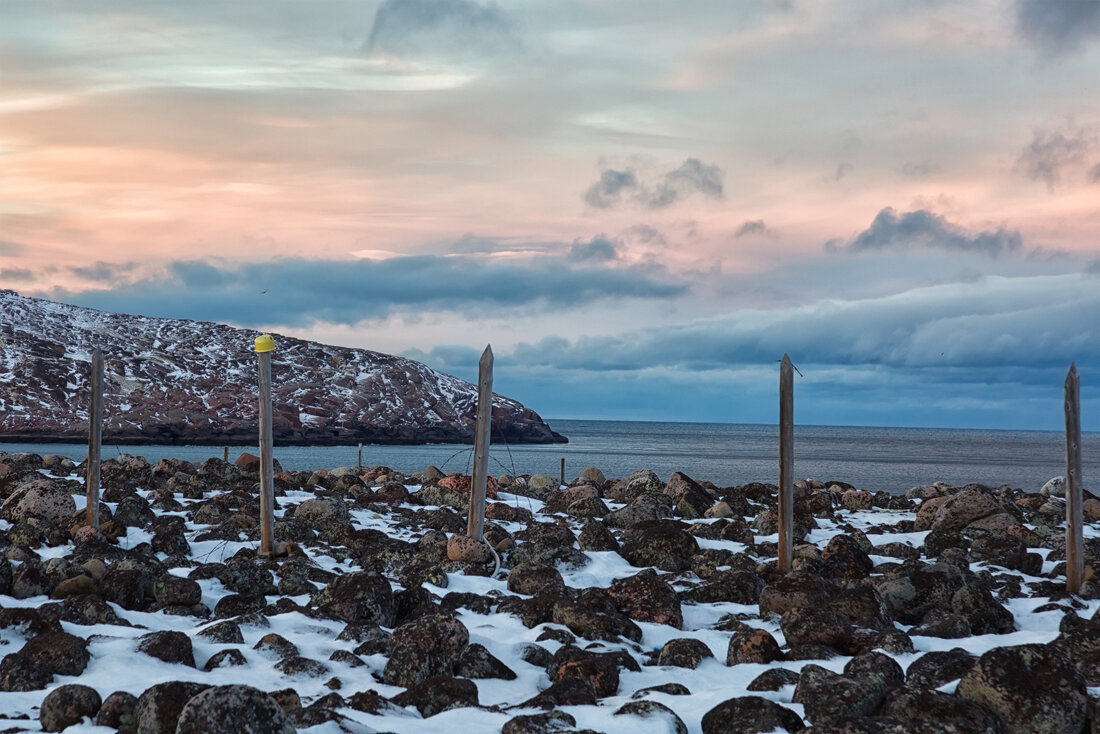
(264,344)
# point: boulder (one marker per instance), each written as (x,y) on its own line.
(686,652)
(939,667)
(753,646)
(158,708)
(646,597)
(233,709)
(67,705)
(665,544)
(438,694)
(1030,687)
(429,646)
(947,713)
(362,597)
(963,508)
(750,715)
(39,498)
(169,646)
(530,576)
(117,712)
(654,710)
(593,615)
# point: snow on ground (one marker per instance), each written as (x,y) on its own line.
(116,665)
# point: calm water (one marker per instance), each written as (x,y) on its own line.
(892,459)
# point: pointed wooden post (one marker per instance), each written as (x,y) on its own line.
(1075,543)
(786,464)
(480,478)
(95,440)
(265,345)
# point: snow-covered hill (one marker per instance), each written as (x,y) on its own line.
(176,381)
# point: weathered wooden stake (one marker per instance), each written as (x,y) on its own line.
(95,439)
(563,470)
(360,464)
(1075,543)
(265,345)
(480,478)
(225,454)
(786,464)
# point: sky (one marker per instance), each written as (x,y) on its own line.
(641,205)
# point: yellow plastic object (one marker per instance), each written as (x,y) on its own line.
(264,344)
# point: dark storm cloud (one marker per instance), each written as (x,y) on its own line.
(609,190)
(1048,153)
(921,229)
(754,227)
(626,186)
(447,26)
(102,272)
(298,292)
(1058,26)
(17,275)
(995,323)
(599,248)
(693,176)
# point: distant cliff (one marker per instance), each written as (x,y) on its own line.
(171,381)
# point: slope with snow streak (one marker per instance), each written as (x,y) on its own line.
(176,381)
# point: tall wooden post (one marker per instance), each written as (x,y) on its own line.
(480,478)
(563,470)
(95,439)
(786,464)
(265,345)
(1075,543)
(225,454)
(360,464)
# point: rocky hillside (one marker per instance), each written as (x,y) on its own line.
(173,381)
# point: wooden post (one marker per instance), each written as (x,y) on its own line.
(1075,543)
(563,470)
(225,454)
(265,345)
(360,464)
(786,464)
(95,440)
(480,478)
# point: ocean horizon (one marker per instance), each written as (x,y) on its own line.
(873,458)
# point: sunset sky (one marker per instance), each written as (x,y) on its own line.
(641,205)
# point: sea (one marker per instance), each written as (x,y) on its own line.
(874,459)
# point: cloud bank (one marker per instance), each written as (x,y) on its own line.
(922,229)
(298,292)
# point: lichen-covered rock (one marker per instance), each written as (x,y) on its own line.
(478,663)
(963,508)
(750,715)
(39,498)
(653,710)
(429,646)
(550,722)
(593,615)
(646,597)
(685,652)
(362,597)
(827,696)
(665,544)
(438,694)
(752,646)
(530,576)
(939,667)
(796,590)
(170,590)
(600,669)
(595,536)
(1030,687)
(169,646)
(739,587)
(949,714)
(67,705)
(773,679)
(117,712)
(158,708)
(574,691)
(233,709)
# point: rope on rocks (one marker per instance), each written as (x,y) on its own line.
(496,558)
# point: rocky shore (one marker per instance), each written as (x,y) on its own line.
(640,604)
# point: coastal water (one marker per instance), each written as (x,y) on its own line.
(891,459)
